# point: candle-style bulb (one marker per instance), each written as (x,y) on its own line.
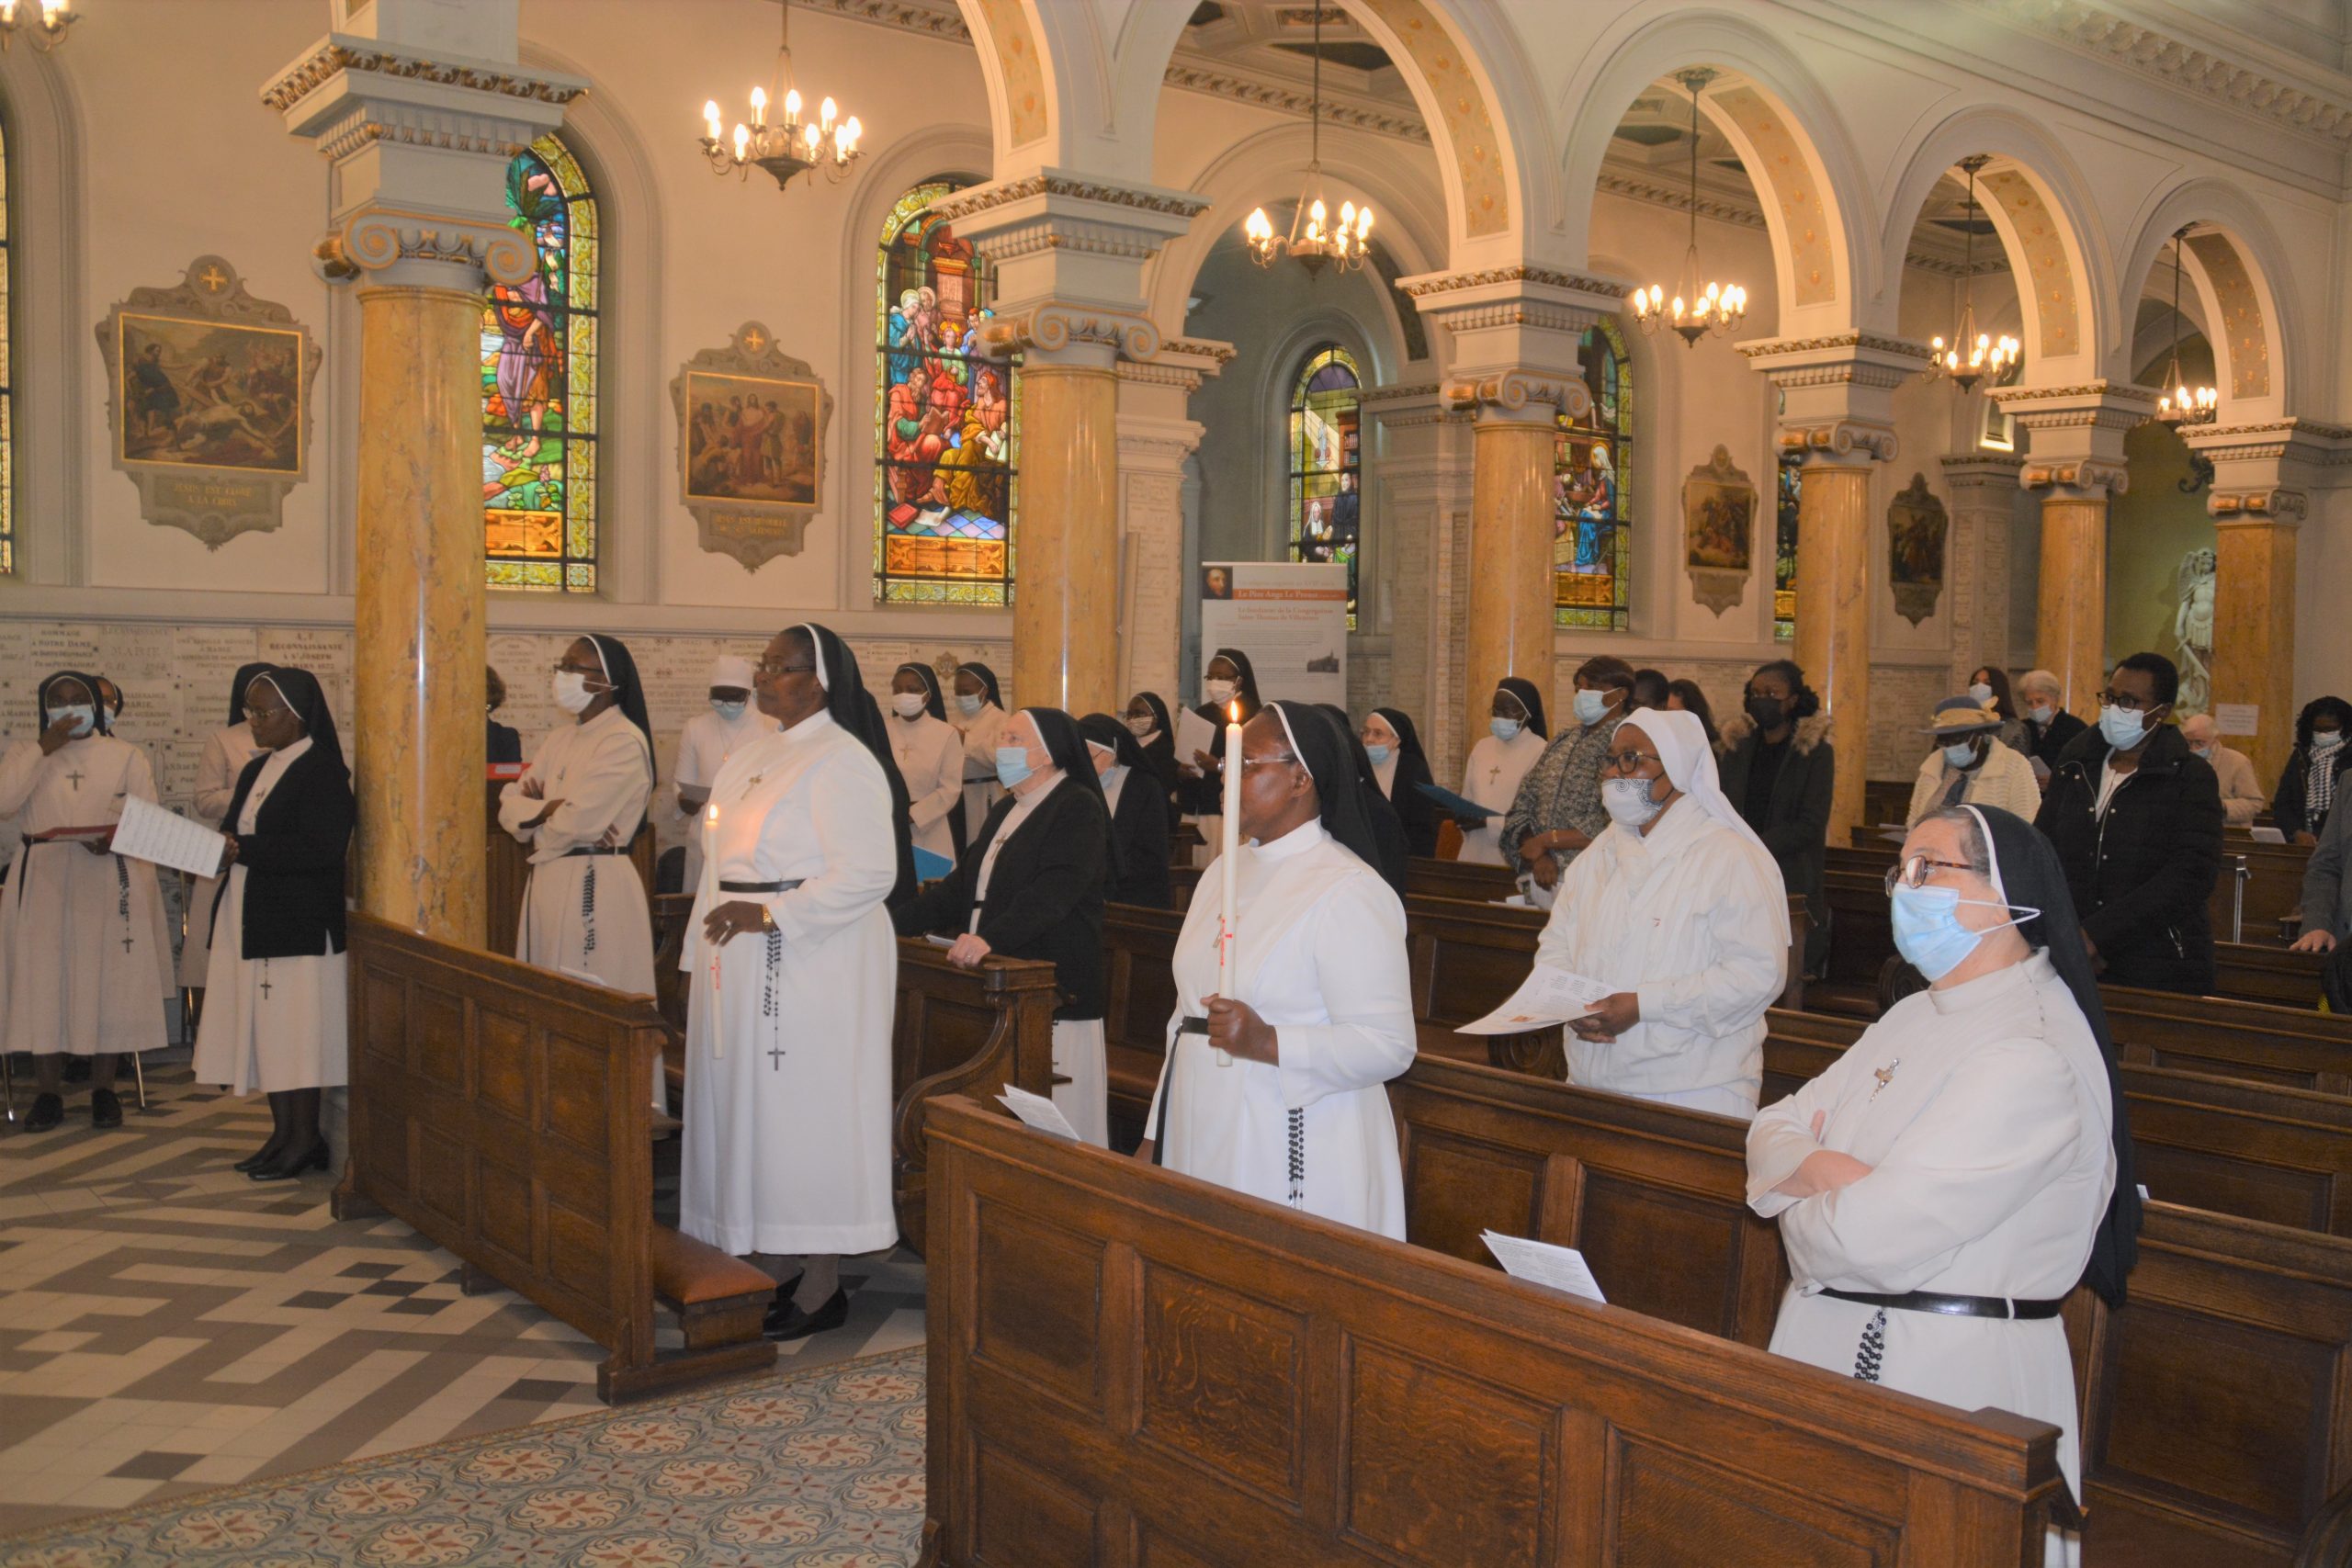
(791,104)
(825,113)
(743,139)
(758,107)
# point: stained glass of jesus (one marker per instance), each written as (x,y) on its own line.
(1592,488)
(1326,447)
(947,417)
(538,386)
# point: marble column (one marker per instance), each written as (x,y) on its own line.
(1418,474)
(417,194)
(1983,491)
(1510,628)
(1155,437)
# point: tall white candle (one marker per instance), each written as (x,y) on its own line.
(1230,842)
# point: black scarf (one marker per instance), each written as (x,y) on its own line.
(1529,698)
(854,709)
(303,695)
(1335,758)
(987,678)
(246,675)
(99,723)
(933,703)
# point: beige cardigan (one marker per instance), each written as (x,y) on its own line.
(2005,779)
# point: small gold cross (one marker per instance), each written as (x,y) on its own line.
(1885,1075)
(212,278)
(753,340)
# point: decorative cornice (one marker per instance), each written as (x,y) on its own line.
(1160,373)
(1870,341)
(1430,287)
(2274,504)
(1830,441)
(1206,348)
(1964,466)
(1053,327)
(2019,399)
(964,205)
(1399,393)
(360,131)
(2084,478)
(335,54)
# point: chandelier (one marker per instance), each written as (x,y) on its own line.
(1971,356)
(47,30)
(1311,238)
(786,148)
(2182,403)
(1696,308)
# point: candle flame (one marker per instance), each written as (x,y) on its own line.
(1233,710)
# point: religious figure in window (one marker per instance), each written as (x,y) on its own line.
(1591,480)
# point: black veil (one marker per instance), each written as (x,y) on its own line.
(1334,757)
(628,691)
(246,675)
(934,702)
(987,678)
(1529,698)
(99,723)
(308,700)
(1391,852)
(1066,744)
(854,709)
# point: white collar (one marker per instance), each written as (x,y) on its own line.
(1297,842)
(808,728)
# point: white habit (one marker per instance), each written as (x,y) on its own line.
(705,742)
(1983,1112)
(787,1137)
(226,752)
(1321,954)
(1491,778)
(979,736)
(87,968)
(271,1023)
(931,759)
(1079,1053)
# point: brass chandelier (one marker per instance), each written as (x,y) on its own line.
(786,148)
(1312,239)
(1971,356)
(1696,308)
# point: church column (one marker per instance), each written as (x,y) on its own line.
(1514,333)
(2074,461)
(1069,253)
(1983,490)
(1837,423)
(418,196)
(1155,437)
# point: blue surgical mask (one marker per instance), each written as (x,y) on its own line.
(1378,754)
(1011,766)
(1503,729)
(1927,931)
(730,712)
(967,706)
(79,712)
(1961,754)
(1591,706)
(2124,728)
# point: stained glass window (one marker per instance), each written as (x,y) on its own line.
(1326,443)
(1593,492)
(8,404)
(946,418)
(1784,555)
(538,386)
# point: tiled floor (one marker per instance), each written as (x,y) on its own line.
(167,1326)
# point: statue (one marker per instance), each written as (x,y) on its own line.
(2192,629)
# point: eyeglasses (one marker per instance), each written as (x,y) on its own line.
(1913,873)
(1627,762)
(257,715)
(1249,763)
(2120,700)
(594,671)
(778,672)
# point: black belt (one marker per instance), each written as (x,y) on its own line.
(1193,1026)
(760,886)
(591,850)
(1951,1306)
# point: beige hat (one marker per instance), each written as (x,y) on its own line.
(1955,717)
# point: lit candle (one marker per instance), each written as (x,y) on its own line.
(710,117)
(1229,856)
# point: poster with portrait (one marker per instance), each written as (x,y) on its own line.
(208,393)
(1718,531)
(1916,527)
(751,446)
(1290,617)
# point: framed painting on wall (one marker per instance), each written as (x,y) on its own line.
(1718,531)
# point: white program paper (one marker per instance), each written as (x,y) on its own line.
(1548,996)
(1562,1267)
(1194,733)
(1039,1112)
(149,832)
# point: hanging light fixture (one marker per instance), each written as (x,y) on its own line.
(43,21)
(1312,238)
(786,148)
(1971,356)
(2182,403)
(1697,308)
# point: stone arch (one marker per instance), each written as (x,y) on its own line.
(1787,133)
(2236,266)
(1019,72)
(45,150)
(2038,203)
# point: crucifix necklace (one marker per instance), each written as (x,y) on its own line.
(264,979)
(1885,1075)
(75,778)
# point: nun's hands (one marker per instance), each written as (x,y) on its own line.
(1610,1017)
(1203,760)
(228,854)
(966,951)
(732,918)
(58,734)
(1236,1029)
(532,787)
(549,810)
(2312,942)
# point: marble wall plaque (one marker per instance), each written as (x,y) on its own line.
(1917,527)
(751,446)
(1718,531)
(209,396)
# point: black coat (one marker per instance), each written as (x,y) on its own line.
(1044,896)
(1140,829)
(2287,808)
(293,858)
(2048,745)
(1796,827)
(2142,876)
(1416,811)
(504,744)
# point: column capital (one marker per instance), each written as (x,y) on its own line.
(1981,470)
(1837,392)
(1519,396)
(424,250)
(1071,333)
(1517,332)
(2253,462)
(2081,479)
(2074,434)
(2275,506)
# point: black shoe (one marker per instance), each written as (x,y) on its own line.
(260,1156)
(49,1110)
(782,1305)
(106,1111)
(797,1325)
(285,1170)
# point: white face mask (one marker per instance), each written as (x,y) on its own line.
(1143,728)
(2205,750)
(1981,692)
(907,705)
(1220,692)
(2326,739)
(2043,713)
(967,706)
(572,693)
(1628,801)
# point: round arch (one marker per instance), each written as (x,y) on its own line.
(2235,261)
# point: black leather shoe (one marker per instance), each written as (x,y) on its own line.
(49,1110)
(287,1169)
(106,1111)
(797,1325)
(260,1156)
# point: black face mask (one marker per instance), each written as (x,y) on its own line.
(1769,713)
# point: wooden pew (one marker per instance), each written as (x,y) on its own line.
(1464,880)
(500,1112)
(1129,1366)
(2218,1401)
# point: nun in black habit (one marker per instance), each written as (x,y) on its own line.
(1390,851)
(1148,722)
(1228,679)
(1138,826)
(1399,767)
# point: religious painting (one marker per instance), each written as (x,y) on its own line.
(1592,482)
(538,385)
(1326,439)
(751,446)
(948,418)
(208,393)
(1916,527)
(1784,552)
(1718,531)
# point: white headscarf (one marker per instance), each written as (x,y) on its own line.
(1681,742)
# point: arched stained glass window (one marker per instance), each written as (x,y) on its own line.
(7,404)
(1593,492)
(1326,447)
(538,386)
(946,418)
(1785,557)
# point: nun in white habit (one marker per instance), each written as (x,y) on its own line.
(708,740)
(1678,907)
(1951,1178)
(226,752)
(791,973)
(1318,1017)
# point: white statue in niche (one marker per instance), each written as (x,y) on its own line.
(2192,629)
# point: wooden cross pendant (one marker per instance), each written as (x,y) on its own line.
(1885,1075)
(75,778)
